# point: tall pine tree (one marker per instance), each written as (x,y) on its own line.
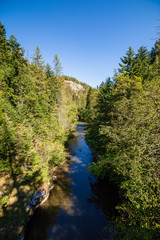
(127,62)
(57,65)
(37,58)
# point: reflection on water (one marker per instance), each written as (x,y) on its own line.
(104,195)
(78,207)
(47,214)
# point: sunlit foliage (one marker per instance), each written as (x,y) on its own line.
(125,133)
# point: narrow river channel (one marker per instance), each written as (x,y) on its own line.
(79,207)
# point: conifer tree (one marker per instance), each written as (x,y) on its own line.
(3,43)
(155,58)
(90,104)
(48,70)
(16,48)
(37,58)
(140,65)
(57,65)
(127,62)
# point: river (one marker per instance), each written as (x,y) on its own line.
(79,207)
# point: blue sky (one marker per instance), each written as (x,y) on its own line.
(89,36)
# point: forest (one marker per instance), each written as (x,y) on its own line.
(38,114)
(125,133)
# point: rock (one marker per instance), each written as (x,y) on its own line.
(75,86)
(28,207)
(37,197)
(36,200)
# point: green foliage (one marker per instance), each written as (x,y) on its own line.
(37,115)
(84,99)
(57,65)
(141,63)
(155,59)
(38,112)
(37,58)
(127,62)
(48,71)
(88,113)
(125,133)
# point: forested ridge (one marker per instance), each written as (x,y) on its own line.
(126,134)
(38,113)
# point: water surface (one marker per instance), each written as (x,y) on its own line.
(79,207)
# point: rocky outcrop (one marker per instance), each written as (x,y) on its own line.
(38,198)
(75,86)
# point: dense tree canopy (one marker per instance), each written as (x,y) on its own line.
(125,133)
(38,113)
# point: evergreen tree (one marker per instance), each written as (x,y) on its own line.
(155,59)
(37,114)
(57,65)
(127,62)
(153,55)
(3,43)
(141,62)
(90,104)
(17,50)
(48,70)
(37,58)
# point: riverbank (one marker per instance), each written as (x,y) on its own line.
(76,202)
(18,210)
(20,199)
(128,217)
(37,113)
(43,193)
(41,196)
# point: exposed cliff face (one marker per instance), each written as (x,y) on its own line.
(75,86)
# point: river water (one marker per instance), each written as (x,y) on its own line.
(79,207)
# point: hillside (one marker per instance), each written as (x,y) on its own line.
(38,111)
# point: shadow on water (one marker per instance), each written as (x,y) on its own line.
(79,207)
(47,214)
(105,198)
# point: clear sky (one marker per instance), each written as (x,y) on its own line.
(89,36)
